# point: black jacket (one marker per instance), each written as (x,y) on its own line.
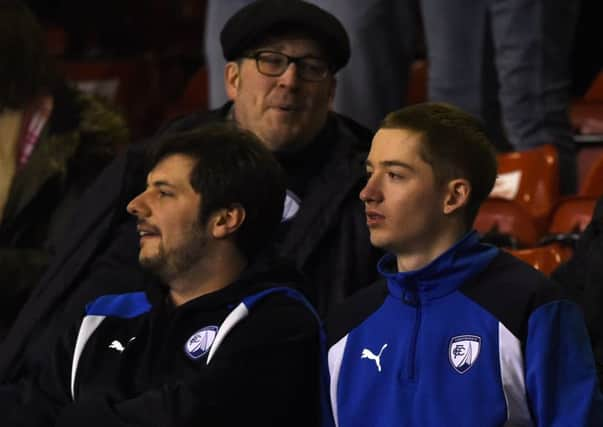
(328,241)
(582,280)
(246,354)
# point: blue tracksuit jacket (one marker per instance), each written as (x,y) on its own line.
(475,338)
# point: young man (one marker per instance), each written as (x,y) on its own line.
(216,342)
(283,56)
(457,333)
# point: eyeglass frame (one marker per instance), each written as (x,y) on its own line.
(255,55)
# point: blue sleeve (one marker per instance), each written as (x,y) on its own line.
(561,378)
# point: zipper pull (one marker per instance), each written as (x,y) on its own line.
(410,298)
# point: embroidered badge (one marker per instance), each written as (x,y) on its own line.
(368,354)
(200,342)
(463,352)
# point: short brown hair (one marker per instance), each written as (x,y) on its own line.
(232,167)
(455,144)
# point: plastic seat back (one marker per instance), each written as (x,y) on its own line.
(531,179)
(572,215)
(593,182)
(506,223)
(543,258)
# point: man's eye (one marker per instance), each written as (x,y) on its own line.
(315,65)
(394,175)
(272,60)
(163,194)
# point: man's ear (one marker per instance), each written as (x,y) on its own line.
(224,222)
(457,195)
(232,79)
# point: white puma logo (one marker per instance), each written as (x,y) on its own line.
(367,354)
(116,345)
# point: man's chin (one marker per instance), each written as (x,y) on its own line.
(289,140)
(154,265)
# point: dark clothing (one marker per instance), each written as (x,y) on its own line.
(327,241)
(216,360)
(80,138)
(582,279)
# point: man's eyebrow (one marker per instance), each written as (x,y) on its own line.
(389,163)
(160,183)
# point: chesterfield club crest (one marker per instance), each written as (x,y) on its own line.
(463,352)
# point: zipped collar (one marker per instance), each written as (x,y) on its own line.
(443,275)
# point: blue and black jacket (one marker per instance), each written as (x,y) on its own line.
(475,338)
(249,353)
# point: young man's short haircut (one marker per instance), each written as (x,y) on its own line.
(455,144)
(232,168)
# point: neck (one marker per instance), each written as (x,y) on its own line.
(419,257)
(214,272)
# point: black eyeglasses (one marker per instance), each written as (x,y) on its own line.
(274,64)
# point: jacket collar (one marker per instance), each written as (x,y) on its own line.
(264,272)
(445,274)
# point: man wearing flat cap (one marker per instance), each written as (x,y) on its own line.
(282,57)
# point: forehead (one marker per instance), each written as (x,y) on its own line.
(174,169)
(292,42)
(391,145)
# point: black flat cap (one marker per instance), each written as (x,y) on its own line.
(255,21)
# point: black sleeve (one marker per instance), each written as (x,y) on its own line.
(37,400)
(265,373)
(581,278)
(20,270)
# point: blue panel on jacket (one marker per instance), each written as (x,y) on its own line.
(122,305)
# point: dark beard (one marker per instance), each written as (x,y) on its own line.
(170,265)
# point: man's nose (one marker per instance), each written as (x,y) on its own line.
(371,191)
(289,77)
(137,207)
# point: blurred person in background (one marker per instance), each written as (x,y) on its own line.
(507,62)
(54,141)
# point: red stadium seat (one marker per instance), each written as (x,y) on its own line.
(506,223)
(523,198)
(543,258)
(536,175)
(569,220)
(572,215)
(593,181)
